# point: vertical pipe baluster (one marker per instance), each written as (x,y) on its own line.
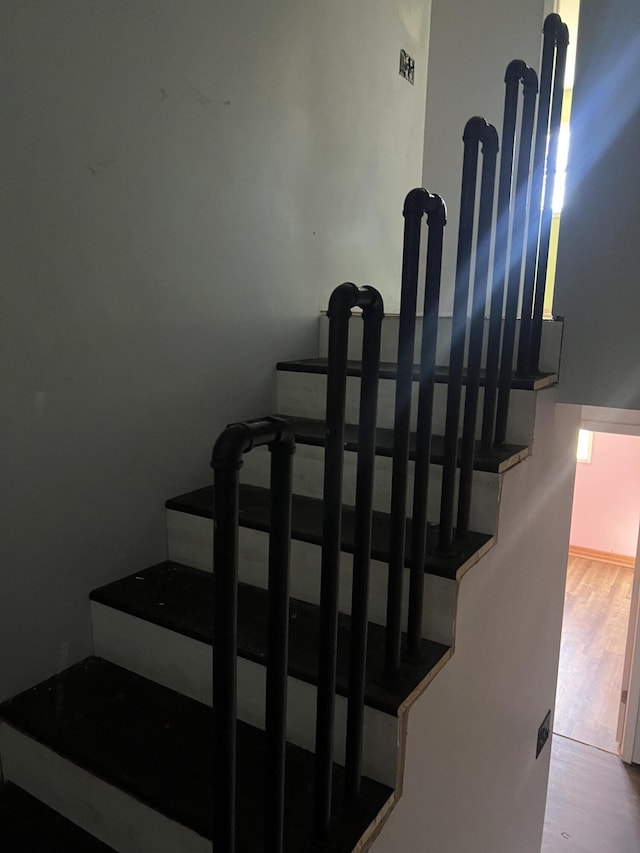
(550,30)
(225,557)
(330,570)
(278,644)
(373,309)
(516,71)
(472,132)
(226,460)
(547,210)
(412,212)
(515,260)
(343,299)
(436,219)
(476,331)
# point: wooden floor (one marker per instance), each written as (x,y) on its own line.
(594,633)
(593,800)
(593,803)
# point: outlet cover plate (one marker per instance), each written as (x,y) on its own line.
(543,733)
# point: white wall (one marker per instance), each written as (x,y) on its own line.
(624,421)
(472,782)
(470,47)
(606,498)
(597,281)
(184,182)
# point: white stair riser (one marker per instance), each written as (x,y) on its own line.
(185,665)
(107,812)
(190,541)
(304,395)
(549,350)
(308,472)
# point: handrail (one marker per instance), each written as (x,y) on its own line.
(476,131)
(554,51)
(517,71)
(476,330)
(343,299)
(417,203)
(517,249)
(520,247)
(436,213)
(562,41)
(226,460)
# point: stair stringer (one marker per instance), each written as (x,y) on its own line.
(468,777)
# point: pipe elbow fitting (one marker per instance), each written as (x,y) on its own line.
(474,129)
(516,70)
(231,446)
(490,143)
(530,82)
(372,302)
(342,300)
(415,202)
(436,210)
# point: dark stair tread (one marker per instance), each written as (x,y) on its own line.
(180,598)
(29,826)
(306,524)
(388,370)
(156,744)
(313,432)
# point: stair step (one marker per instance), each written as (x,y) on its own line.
(180,598)
(388,370)
(549,351)
(301,389)
(306,524)
(154,744)
(28,826)
(313,432)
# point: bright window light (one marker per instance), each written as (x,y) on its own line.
(585,444)
(561,173)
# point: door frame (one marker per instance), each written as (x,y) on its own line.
(625,422)
(630,711)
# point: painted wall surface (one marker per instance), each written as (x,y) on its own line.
(472,781)
(184,183)
(470,47)
(606,499)
(597,282)
(602,419)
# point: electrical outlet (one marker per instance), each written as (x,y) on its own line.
(543,733)
(407,66)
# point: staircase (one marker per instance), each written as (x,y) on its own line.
(116,751)
(120,743)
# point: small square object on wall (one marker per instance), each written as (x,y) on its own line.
(407,66)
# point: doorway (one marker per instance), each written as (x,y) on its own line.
(600,575)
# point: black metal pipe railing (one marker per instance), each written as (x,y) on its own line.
(413,212)
(517,71)
(344,298)
(476,329)
(436,212)
(554,47)
(278,641)
(516,253)
(416,204)
(475,131)
(373,315)
(229,449)
(562,42)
